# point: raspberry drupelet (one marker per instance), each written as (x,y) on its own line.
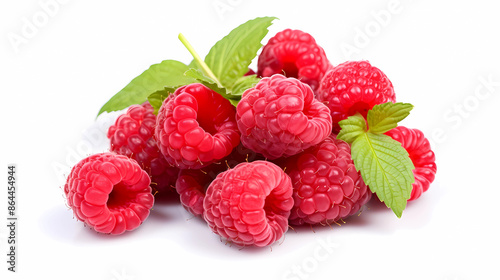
(132,135)
(110,193)
(423,158)
(195,127)
(295,54)
(326,185)
(280,117)
(354,87)
(249,204)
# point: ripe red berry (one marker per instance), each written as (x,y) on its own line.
(193,183)
(132,135)
(326,185)
(280,117)
(250,72)
(110,193)
(249,204)
(352,87)
(423,158)
(195,127)
(295,54)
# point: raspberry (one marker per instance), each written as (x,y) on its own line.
(109,192)
(195,127)
(326,185)
(192,183)
(423,158)
(132,135)
(250,72)
(249,204)
(280,117)
(354,86)
(191,186)
(296,54)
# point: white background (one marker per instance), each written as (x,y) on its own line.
(442,56)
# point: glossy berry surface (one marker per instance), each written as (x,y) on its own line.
(280,117)
(250,72)
(326,185)
(132,135)
(354,87)
(195,127)
(192,184)
(249,204)
(110,193)
(295,54)
(421,154)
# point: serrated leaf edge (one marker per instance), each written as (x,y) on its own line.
(211,62)
(392,118)
(351,128)
(372,171)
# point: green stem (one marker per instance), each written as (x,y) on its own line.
(198,59)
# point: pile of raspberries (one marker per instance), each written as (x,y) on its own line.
(250,171)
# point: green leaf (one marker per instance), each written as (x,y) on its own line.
(385,167)
(208,82)
(384,164)
(194,65)
(168,73)
(197,62)
(198,75)
(234,102)
(384,117)
(157,97)
(230,57)
(243,84)
(234,96)
(211,84)
(351,128)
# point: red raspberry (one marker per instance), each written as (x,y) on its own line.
(191,186)
(192,183)
(295,54)
(326,185)
(280,117)
(195,127)
(250,72)
(132,135)
(423,158)
(354,86)
(109,192)
(249,204)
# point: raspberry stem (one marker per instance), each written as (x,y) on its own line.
(198,59)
